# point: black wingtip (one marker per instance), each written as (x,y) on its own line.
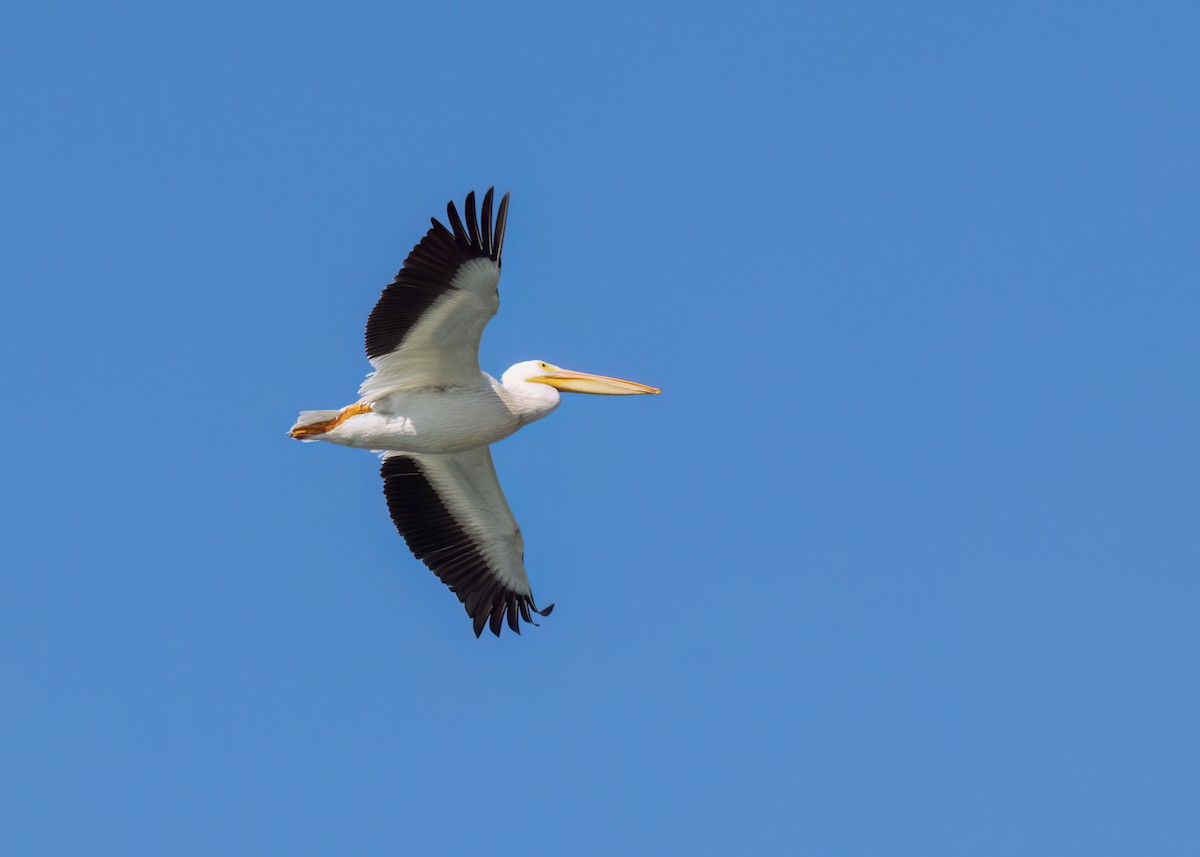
(485,221)
(456,223)
(514,618)
(472,221)
(497,618)
(501,222)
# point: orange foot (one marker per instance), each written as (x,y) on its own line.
(323,426)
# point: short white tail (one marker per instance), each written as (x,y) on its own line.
(312,423)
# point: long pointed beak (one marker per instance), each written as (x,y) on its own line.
(599,385)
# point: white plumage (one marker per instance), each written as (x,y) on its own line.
(433,413)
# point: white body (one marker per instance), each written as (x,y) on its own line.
(432,413)
(439,419)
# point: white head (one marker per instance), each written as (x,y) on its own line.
(538,373)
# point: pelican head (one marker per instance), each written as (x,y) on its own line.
(570,381)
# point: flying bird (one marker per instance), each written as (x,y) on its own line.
(432,413)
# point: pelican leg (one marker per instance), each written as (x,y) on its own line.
(325,426)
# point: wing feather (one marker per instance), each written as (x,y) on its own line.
(485,221)
(425,328)
(473,223)
(453,515)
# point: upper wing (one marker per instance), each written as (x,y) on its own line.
(452,513)
(425,329)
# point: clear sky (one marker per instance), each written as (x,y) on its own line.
(903,561)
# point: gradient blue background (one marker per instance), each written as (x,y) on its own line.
(903,561)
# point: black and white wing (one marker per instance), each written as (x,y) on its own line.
(452,513)
(426,327)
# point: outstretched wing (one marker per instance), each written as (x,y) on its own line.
(452,513)
(426,327)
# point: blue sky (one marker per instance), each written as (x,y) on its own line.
(904,559)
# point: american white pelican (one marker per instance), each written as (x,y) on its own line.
(432,413)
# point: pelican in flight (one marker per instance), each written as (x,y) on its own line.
(432,413)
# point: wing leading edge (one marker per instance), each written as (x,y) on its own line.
(427,324)
(453,515)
